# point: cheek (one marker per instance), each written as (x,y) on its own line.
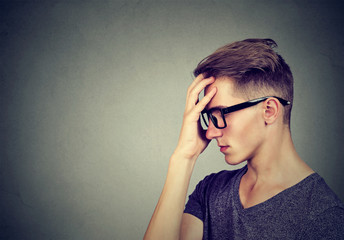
(244,135)
(245,130)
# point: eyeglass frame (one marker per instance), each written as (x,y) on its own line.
(237,107)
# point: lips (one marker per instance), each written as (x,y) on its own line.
(223,148)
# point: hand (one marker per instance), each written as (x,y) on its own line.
(192,140)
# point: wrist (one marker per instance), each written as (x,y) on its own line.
(180,168)
(183,157)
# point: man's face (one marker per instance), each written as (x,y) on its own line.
(244,134)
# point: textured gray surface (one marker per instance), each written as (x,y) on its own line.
(93,92)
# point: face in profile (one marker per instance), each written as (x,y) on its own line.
(244,133)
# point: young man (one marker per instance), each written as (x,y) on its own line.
(246,107)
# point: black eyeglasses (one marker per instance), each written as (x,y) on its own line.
(217,115)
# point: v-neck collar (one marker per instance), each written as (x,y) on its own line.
(262,205)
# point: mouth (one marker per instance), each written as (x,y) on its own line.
(223,148)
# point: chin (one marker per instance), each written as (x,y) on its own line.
(232,160)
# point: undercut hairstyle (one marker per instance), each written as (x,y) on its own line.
(256,68)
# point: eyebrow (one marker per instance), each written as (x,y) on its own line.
(217,107)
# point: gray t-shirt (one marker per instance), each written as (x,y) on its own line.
(307,210)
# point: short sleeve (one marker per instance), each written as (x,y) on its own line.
(197,200)
(328,225)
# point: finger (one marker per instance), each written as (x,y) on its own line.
(199,78)
(205,100)
(201,131)
(193,96)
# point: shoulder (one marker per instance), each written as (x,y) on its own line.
(321,197)
(325,213)
(210,188)
(219,182)
(222,178)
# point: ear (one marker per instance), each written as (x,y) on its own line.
(272,110)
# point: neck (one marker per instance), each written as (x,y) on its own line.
(277,161)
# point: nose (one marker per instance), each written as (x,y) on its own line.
(213,132)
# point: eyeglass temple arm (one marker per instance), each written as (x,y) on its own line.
(251,103)
(282,101)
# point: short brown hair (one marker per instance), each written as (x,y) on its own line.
(256,68)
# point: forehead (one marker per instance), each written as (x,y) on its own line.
(225,95)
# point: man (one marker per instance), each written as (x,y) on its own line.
(246,108)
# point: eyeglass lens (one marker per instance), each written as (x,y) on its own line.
(216,117)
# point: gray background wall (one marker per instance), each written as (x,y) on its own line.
(92,98)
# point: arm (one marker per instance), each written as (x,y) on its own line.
(191,228)
(167,217)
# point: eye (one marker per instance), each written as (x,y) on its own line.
(217,118)
(214,119)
